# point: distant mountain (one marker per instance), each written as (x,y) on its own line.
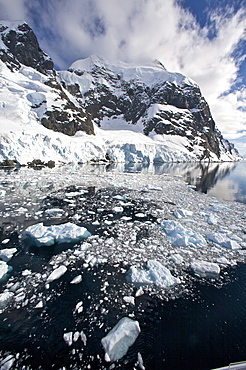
(99,110)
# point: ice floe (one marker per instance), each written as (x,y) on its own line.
(155,273)
(223,240)
(7,253)
(5,297)
(49,235)
(57,273)
(181,236)
(205,268)
(4,269)
(120,338)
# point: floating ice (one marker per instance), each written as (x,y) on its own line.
(155,273)
(68,337)
(118,209)
(7,253)
(79,307)
(76,280)
(120,338)
(39,305)
(129,299)
(176,258)
(7,362)
(212,219)
(49,235)
(205,268)
(5,297)
(54,211)
(57,273)
(223,240)
(181,236)
(83,337)
(140,362)
(4,268)
(181,213)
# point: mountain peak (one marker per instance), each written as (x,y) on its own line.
(19,45)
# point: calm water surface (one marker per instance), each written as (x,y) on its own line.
(223,180)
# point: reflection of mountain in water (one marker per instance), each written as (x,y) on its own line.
(209,175)
(203,175)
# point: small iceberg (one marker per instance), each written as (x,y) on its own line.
(49,235)
(181,236)
(205,268)
(120,338)
(155,273)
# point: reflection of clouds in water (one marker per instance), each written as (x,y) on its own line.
(225,189)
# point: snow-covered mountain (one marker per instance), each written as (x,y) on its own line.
(99,111)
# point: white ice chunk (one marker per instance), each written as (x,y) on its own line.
(118,209)
(54,211)
(68,337)
(79,307)
(39,305)
(5,297)
(181,213)
(4,268)
(5,241)
(48,235)
(7,362)
(140,215)
(76,280)
(140,362)
(223,260)
(181,236)
(120,338)
(7,253)
(139,292)
(155,273)
(176,258)
(57,273)
(76,336)
(83,337)
(212,219)
(129,299)
(223,240)
(205,268)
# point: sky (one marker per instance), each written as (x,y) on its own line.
(203,39)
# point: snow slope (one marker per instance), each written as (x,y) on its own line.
(24,98)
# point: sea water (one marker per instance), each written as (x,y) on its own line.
(197,324)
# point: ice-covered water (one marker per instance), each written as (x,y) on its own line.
(58,301)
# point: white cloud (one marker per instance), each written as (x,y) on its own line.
(146,29)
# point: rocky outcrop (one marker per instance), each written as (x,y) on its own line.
(162,107)
(22,47)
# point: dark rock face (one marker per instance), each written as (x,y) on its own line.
(183,110)
(67,119)
(23,48)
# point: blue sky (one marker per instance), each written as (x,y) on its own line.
(203,39)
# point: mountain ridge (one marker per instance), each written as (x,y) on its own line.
(163,110)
